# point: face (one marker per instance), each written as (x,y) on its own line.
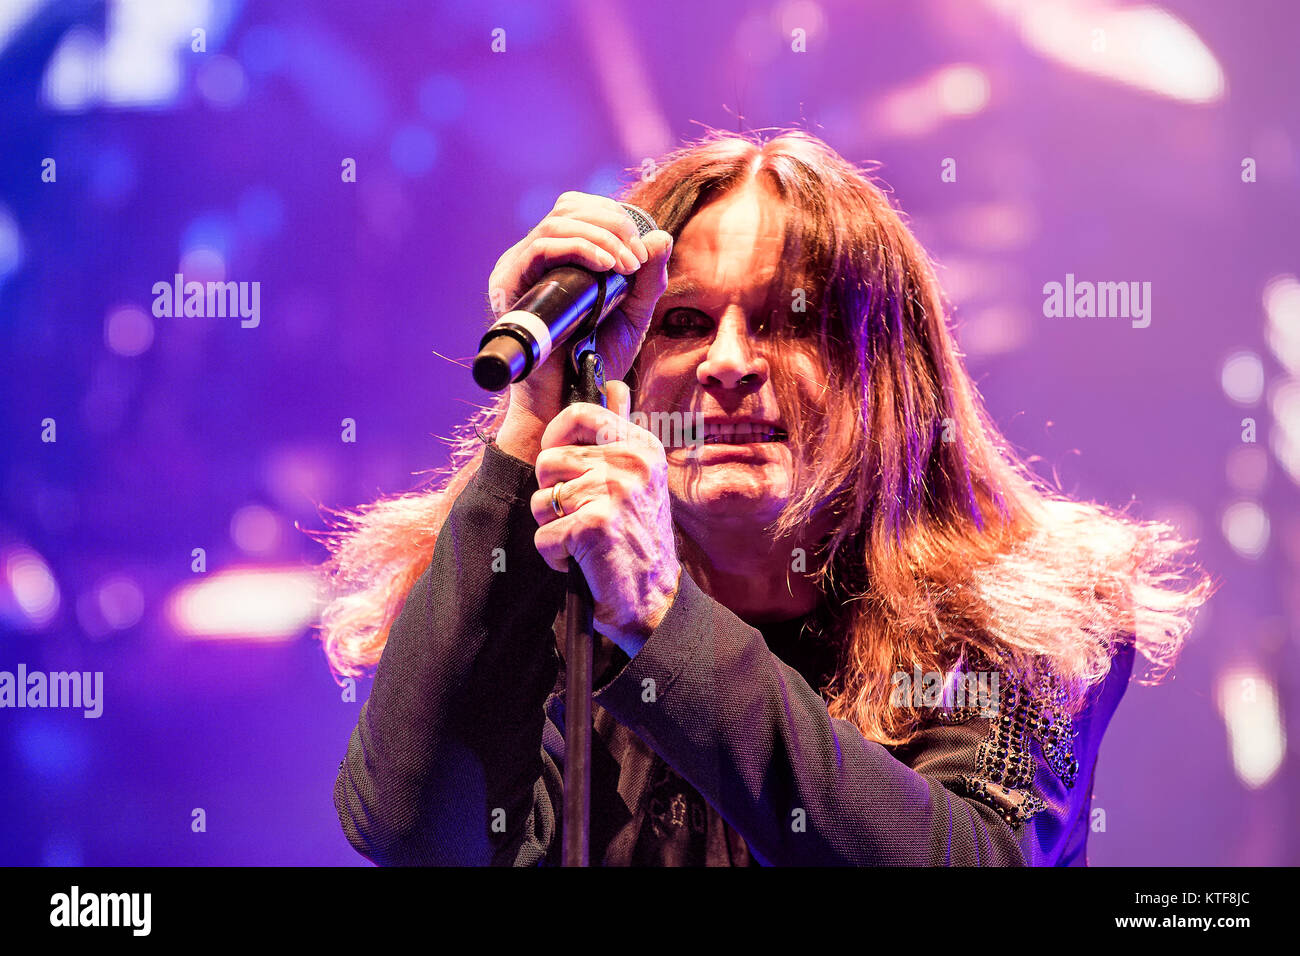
(710,352)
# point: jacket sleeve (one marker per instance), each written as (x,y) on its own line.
(446,764)
(801,788)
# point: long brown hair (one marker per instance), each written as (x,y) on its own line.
(946,546)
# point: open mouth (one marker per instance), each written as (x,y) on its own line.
(743,434)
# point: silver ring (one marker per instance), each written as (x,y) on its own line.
(555,500)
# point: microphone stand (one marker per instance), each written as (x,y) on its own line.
(585,382)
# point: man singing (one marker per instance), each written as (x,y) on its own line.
(789,606)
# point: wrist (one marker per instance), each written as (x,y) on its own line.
(633,636)
(660,608)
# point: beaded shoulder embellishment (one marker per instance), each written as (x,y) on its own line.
(1004,764)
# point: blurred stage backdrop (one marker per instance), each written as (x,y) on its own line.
(1093,138)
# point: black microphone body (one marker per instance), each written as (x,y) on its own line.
(564,301)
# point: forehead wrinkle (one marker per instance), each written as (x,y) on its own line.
(758,297)
(754,213)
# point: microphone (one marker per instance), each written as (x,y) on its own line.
(562,302)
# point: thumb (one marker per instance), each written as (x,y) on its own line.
(621,336)
(651,279)
(659,244)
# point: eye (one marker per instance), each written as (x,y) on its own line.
(684,323)
(799,324)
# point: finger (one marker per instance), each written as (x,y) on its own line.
(637,242)
(651,278)
(547,252)
(572,496)
(574,535)
(564,227)
(582,423)
(565,463)
(619,397)
(659,246)
(500,283)
(552,548)
(527,261)
(606,212)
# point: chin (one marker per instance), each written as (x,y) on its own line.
(722,493)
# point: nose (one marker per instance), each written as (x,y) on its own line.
(732,360)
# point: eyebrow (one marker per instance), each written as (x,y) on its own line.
(681,287)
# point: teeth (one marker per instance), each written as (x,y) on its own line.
(743,433)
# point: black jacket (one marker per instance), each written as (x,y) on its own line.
(709,748)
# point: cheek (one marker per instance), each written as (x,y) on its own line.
(810,381)
(664,382)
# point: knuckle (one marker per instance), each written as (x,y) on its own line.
(617,486)
(627,229)
(574,415)
(650,453)
(589,528)
(542,467)
(635,465)
(559,227)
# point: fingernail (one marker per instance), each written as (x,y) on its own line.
(638,246)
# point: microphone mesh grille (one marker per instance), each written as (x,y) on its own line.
(644,223)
